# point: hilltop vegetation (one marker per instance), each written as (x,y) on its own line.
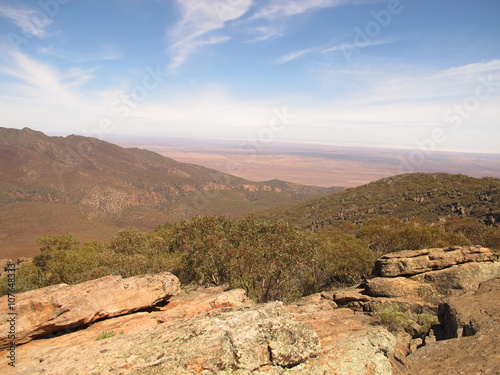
(269,260)
(428,196)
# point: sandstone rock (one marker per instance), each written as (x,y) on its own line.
(467,355)
(411,262)
(241,342)
(350,295)
(399,287)
(477,314)
(63,307)
(351,343)
(461,278)
(466,315)
(202,302)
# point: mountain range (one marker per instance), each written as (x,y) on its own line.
(89,187)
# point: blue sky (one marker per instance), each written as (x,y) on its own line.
(409,73)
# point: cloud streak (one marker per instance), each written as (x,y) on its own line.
(199,20)
(30,21)
(286,8)
(293,55)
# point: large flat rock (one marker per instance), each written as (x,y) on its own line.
(65,307)
(225,342)
(412,262)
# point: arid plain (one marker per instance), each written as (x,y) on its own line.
(315,164)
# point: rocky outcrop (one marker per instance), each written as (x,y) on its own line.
(474,321)
(218,331)
(460,278)
(264,337)
(407,293)
(468,314)
(351,343)
(65,307)
(412,262)
(213,331)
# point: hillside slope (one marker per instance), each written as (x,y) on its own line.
(55,185)
(430,196)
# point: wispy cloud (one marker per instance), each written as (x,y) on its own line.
(293,55)
(339,47)
(105,54)
(353,46)
(199,20)
(286,8)
(271,19)
(30,21)
(53,95)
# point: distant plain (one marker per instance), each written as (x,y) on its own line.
(315,164)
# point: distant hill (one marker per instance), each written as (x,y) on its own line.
(56,185)
(430,196)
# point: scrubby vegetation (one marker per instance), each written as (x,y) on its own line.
(105,335)
(269,260)
(428,196)
(397,318)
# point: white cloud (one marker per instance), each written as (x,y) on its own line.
(199,20)
(286,8)
(55,97)
(270,20)
(30,21)
(397,84)
(346,47)
(293,55)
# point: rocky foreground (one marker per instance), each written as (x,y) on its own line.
(148,325)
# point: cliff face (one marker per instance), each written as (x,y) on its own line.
(147,325)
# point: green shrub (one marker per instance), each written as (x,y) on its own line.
(204,243)
(386,235)
(130,241)
(105,335)
(394,318)
(268,259)
(342,259)
(426,321)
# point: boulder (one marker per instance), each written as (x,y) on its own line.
(345,296)
(412,262)
(64,307)
(399,287)
(461,278)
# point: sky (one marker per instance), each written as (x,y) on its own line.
(422,74)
